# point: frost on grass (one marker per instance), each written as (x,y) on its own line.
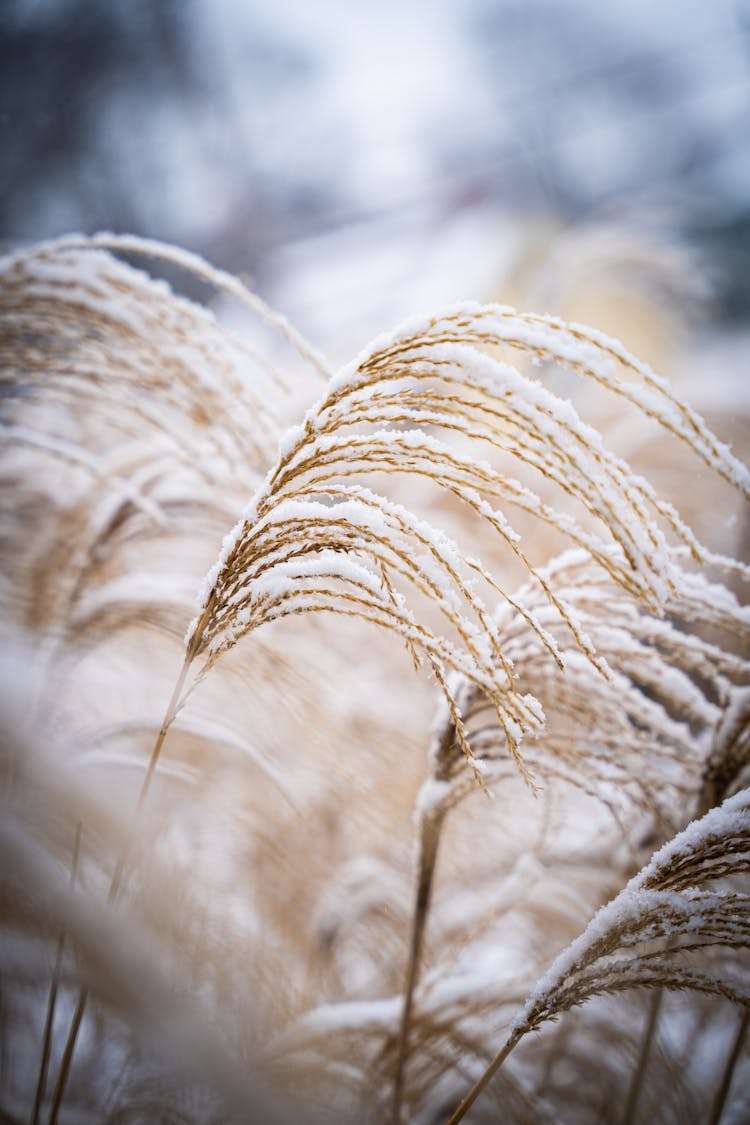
(412,404)
(426,477)
(671,902)
(640,735)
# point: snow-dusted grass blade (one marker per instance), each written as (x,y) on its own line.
(670,908)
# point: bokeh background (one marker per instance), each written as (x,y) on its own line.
(358,161)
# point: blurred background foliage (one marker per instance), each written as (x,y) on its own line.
(337,152)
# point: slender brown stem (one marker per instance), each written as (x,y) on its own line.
(49,1018)
(484,1081)
(636,1082)
(67,1059)
(172,708)
(726,1078)
(114,887)
(429,839)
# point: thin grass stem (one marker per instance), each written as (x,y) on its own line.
(49,1019)
(67,1059)
(726,1079)
(459,1113)
(429,841)
(636,1082)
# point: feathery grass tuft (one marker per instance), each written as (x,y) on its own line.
(588,648)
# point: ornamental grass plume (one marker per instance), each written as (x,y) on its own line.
(287,553)
(409,496)
(668,720)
